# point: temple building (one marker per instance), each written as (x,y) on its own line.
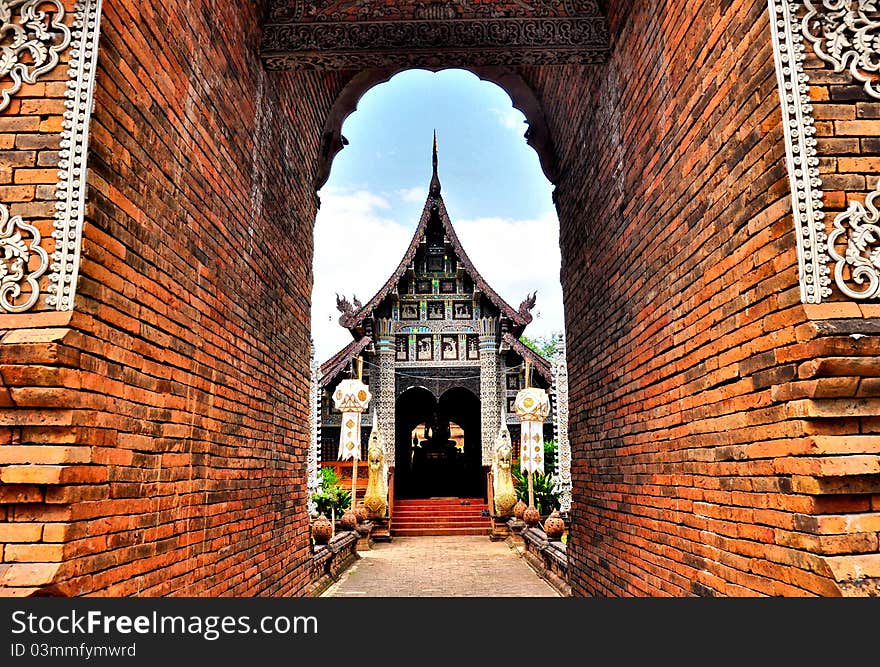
(443,360)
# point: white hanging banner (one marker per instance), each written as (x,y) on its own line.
(351,398)
(531,448)
(532,406)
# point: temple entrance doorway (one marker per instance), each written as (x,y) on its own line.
(437,446)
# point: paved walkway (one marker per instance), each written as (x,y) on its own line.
(461,566)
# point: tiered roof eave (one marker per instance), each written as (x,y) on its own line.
(520,318)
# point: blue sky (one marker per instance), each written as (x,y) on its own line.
(494,189)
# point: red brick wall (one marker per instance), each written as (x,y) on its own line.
(725,437)
(719,448)
(155,443)
(847,122)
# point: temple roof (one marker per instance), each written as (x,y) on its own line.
(521,317)
(331,368)
(538,362)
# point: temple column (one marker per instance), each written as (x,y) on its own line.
(563,451)
(385,389)
(489,408)
(313,461)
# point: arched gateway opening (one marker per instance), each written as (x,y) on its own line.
(156,302)
(520,93)
(440,344)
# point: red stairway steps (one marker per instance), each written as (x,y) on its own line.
(439,516)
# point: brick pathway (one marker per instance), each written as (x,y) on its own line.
(440,567)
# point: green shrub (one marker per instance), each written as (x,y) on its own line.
(332,498)
(546,498)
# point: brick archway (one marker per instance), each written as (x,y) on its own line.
(522,97)
(724,433)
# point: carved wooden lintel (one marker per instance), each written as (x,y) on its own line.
(357,35)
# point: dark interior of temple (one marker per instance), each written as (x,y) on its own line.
(428,463)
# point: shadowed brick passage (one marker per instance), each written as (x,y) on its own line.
(725,437)
(440,567)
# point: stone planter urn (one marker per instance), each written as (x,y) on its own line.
(554,526)
(518,509)
(322,530)
(531,516)
(361,513)
(348,520)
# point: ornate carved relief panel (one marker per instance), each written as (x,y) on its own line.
(34,36)
(39,271)
(362,34)
(841,258)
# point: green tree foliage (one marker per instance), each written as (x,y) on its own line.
(546,346)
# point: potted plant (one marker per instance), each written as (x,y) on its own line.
(332,500)
(546,498)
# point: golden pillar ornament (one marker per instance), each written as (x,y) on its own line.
(502,481)
(376,497)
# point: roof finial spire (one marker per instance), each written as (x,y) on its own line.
(435,178)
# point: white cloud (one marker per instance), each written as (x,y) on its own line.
(414,195)
(518,257)
(336,201)
(356,249)
(512,119)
